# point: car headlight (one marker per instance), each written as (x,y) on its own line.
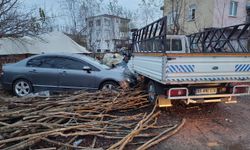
(128,80)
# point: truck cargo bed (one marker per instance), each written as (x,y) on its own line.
(188,69)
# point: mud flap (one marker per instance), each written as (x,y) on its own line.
(164,102)
(232,100)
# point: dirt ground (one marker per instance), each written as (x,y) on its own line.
(213,127)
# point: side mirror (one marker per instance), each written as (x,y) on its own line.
(86,68)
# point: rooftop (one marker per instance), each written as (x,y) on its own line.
(109,16)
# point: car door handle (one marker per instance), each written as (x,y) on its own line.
(63,73)
(33,71)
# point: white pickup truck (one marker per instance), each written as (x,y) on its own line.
(174,71)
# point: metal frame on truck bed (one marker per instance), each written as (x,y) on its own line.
(230,39)
(227,40)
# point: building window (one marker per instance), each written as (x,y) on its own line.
(98,22)
(123,21)
(98,43)
(107,33)
(108,44)
(91,23)
(233,8)
(192,12)
(98,33)
(107,22)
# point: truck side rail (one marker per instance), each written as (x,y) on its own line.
(232,39)
(151,38)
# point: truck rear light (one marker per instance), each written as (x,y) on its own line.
(222,90)
(241,90)
(177,92)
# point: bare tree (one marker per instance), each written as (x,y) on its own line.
(176,11)
(15,23)
(76,12)
(150,10)
(113,7)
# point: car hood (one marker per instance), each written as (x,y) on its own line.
(120,74)
(118,69)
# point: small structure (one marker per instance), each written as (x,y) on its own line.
(107,33)
(12,49)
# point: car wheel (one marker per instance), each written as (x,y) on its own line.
(152,93)
(22,88)
(109,86)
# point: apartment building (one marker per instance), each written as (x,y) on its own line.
(107,33)
(196,15)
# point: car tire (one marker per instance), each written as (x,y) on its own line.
(109,86)
(152,92)
(22,87)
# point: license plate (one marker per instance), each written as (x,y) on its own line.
(206,91)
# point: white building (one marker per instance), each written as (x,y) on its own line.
(107,33)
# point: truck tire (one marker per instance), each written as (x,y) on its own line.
(152,91)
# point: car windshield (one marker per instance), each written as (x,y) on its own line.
(95,62)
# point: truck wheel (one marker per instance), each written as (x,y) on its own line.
(152,93)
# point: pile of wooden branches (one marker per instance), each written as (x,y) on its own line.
(100,120)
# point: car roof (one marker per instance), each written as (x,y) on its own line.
(58,54)
(64,54)
(88,59)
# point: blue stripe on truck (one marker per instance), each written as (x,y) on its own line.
(242,67)
(180,68)
(208,79)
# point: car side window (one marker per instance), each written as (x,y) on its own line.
(48,62)
(72,64)
(59,63)
(35,62)
(42,62)
(67,63)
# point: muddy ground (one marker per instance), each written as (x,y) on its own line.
(216,127)
(207,127)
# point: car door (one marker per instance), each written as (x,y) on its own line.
(42,72)
(72,75)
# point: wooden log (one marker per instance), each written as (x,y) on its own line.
(159,138)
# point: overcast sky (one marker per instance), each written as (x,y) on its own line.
(53,4)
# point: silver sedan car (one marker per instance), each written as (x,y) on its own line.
(60,72)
